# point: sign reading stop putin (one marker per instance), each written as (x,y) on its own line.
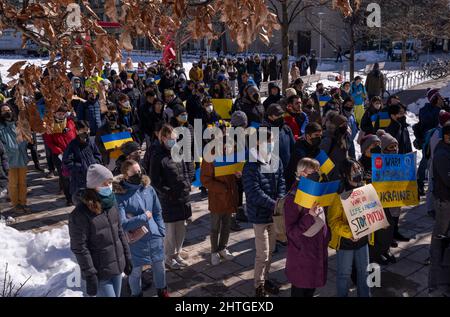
(394,178)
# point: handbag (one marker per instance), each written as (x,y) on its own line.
(135,235)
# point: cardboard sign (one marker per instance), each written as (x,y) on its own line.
(363,211)
(394,178)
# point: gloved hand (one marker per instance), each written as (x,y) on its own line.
(128,267)
(91,285)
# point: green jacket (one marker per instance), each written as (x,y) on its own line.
(16,152)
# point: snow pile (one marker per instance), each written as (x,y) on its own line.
(45,258)
(370,56)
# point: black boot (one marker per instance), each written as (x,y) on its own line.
(271,288)
(234,226)
(260,292)
(240,215)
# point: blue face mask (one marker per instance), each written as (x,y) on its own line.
(105,191)
(183,118)
(170,143)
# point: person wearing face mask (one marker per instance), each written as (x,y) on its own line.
(139,207)
(172,181)
(17,160)
(308,238)
(131,151)
(307,146)
(79,155)
(250,103)
(336,141)
(128,116)
(275,119)
(439,275)
(349,251)
(194,106)
(116,91)
(90,111)
(295,118)
(274,95)
(150,114)
(77,86)
(310,110)
(359,95)
(345,90)
(96,236)
(171,100)
(133,93)
(167,82)
(63,131)
(367,127)
(111,126)
(370,144)
(399,128)
(262,190)
(209,116)
(389,145)
(348,112)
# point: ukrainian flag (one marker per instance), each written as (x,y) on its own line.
(115,140)
(323,100)
(309,192)
(157,79)
(229,165)
(326,164)
(383,118)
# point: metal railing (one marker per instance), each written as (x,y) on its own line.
(406,80)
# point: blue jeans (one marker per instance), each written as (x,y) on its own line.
(111,287)
(159,277)
(344,270)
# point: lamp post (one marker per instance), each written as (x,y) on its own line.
(320,36)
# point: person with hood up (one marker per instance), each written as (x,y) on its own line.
(274,95)
(250,103)
(375,82)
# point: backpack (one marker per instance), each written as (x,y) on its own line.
(278,217)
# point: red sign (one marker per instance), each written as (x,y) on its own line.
(378,162)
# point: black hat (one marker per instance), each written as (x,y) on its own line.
(178,109)
(129,147)
(274,110)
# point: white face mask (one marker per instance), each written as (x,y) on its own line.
(130,86)
(209,109)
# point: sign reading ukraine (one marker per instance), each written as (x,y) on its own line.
(310,192)
(326,164)
(115,140)
(394,178)
(228,165)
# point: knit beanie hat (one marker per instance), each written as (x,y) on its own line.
(432,93)
(96,175)
(239,119)
(129,147)
(444,116)
(386,139)
(367,141)
(178,109)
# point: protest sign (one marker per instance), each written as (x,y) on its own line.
(363,210)
(223,107)
(394,178)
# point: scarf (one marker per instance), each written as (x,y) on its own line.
(107,201)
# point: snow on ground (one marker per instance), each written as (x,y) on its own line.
(44,257)
(370,56)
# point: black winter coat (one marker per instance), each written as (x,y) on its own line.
(302,149)
(172,181)
(441,171)
(399,130)
(97,239)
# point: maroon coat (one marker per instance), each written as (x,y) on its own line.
(307,258)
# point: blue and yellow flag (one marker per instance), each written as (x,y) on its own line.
(229,164)
(309,192)
(115,140)
(384,119)
(323,100)
(326,164)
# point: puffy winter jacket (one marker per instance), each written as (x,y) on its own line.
(58,142)
(399,130)
(90,112)
(172,181)
(429,117)
(262,191)
(77,158)
(97,238)
(285,140)
(134,201)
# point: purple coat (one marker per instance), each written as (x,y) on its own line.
(307,257)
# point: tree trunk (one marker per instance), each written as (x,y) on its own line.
(403,65)
(285,44)
(352,50)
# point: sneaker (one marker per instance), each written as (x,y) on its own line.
(271,288)
(173,265)
(182,262)
(50,175)
(162,292)
(260,292)
(225,254)
(204,192)
(235,226)
(390,257)
(9,220)
(38,168)
(215,258)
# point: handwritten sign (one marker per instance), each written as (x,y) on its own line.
(364,211)
(394,178)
